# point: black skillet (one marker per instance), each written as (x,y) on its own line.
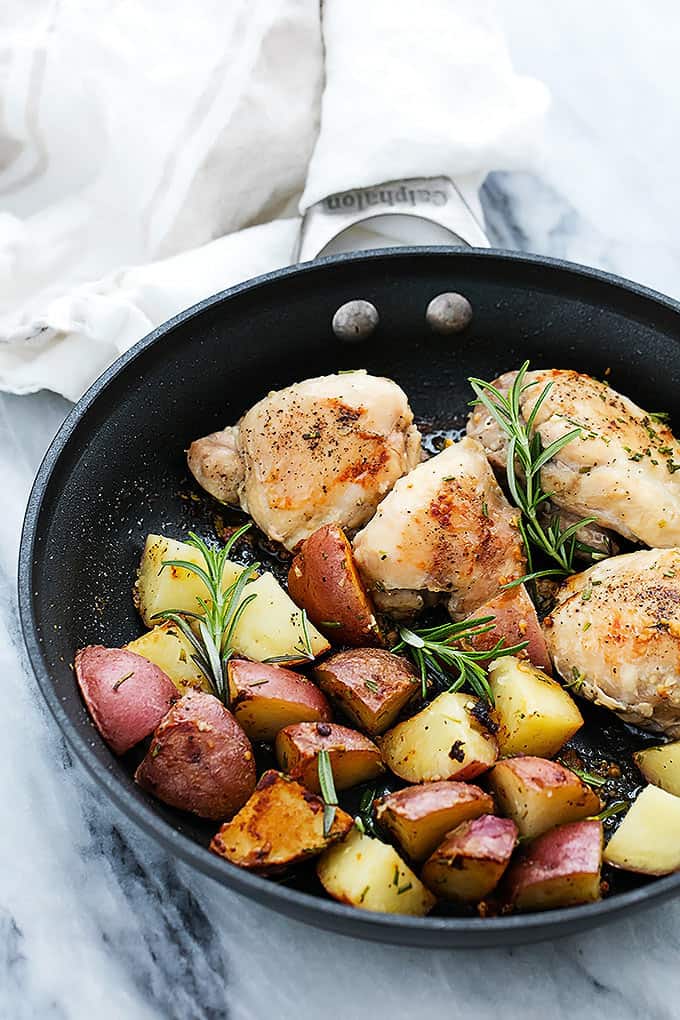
(116,471)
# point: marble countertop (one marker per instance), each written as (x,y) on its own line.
(95,920)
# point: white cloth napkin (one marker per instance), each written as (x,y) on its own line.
(152,154)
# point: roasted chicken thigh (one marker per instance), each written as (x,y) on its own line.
(614,634)
(622,469)
(446,531)
(322,451)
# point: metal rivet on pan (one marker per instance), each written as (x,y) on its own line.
(355,320)
(449,313)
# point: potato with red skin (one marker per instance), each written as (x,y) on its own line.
(354,758)
(559,869)
(370,685)
(200,760)
(418,817)
(471,861)
(281,824)
(324,581)
(515,621)
(126,695)
(539,794)
(445,740)
(264,698)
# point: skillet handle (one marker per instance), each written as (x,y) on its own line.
(433,199)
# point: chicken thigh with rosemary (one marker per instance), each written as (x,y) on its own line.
(614,635)
(322,451)
(445,532)
(618,469)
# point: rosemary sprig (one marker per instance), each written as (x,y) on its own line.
(615,808)
(327,785)
(525,458)
(222,609)
(436,651)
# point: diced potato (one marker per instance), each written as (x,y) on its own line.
(200,760)
(443,741)
(126,695)
(661,766)
(265,698)
(158,590)
(354,758)
(418,817)
(324,580)
(167,647)
(539,794)
(371,875)
(515,621)
(282,824)
(535,714)
(648,839)
(471,860)
(370,685)
(559,869)
(270,627)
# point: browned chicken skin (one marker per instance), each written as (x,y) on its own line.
(445,531)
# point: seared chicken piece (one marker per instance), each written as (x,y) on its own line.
(614,634)
(620,470)
(322,451)
(445,531)
(217,465)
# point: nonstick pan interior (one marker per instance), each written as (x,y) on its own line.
(116,471)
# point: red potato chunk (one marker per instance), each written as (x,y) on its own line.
(354,758)
(279,826)
(559,869)
(324,581)
(471,861)
(370,685)
(265,698)
(515,621)
(200,760)
(418,817)
(539,794)
(126,695)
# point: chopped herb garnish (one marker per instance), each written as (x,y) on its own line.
(395,877)
(612,809)
(587,595)
(588,777)
(587,625)
(327,786)
(372,685)
(404,888)
(330,623)
(437,650)
(257,683)
(526,452)
(123,679)
(363,894)
(485,509)
(663,417)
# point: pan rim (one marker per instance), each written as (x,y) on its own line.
(306,906)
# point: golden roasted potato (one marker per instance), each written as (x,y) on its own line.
(371,875)
(418,817)
(661,766)
(324,580)
(535,714)
(559,869)
(369,684)
(281,824)
(539,794)
(648,839)
(167,647)
(200,760)
(265,698)
(270,627)
(157,589)
(126,695)
(354,758)
(516,621)
(443,741)
(472,859)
